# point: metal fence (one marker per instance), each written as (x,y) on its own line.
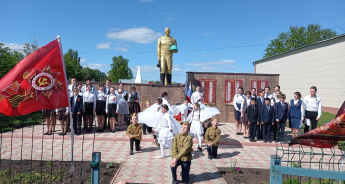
(29,156)
(299,164)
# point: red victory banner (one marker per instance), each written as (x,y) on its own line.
(37,82)
(327,135)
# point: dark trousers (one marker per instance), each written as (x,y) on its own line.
(137,144)
(77,122)
(145,127)
(252,130)
(266,131)
(212,151)
(106,122)
(259,129)
(281,129)
(274,130)
(313,122)
(185,171)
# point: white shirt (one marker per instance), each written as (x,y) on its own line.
(238,100)
(295,101)
(75,98)
(268,95)
(101,95)
(89,97)
(111,99)
(83,89)
(165,123)
(248,102)
(196,97)
(71,87)
(196,115)
(184,112)
(312,104)
(274,100)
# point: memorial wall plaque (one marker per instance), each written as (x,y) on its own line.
(209,88)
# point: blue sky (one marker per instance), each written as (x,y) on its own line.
(212,36)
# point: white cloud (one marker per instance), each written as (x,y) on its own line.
(145,1)
(211,63)
(176,69)
(122,49)
(220,65)
(97,66)
(137,35)
(104,45)
(82,60)
(19,47)
(208,68)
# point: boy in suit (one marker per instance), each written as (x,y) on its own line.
(267,120)
(282,116)
(274,100)
(76,109)
(212,137)
(253,119)
(260,103)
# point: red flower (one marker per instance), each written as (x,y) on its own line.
(238,169)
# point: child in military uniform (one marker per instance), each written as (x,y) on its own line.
(212,138)
(134,132)
(181,153)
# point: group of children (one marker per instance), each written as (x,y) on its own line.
(106,103)
(270,113)
(160,117)
(180,142)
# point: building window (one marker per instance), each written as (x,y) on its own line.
(231,89)
(258,85)
(209,87)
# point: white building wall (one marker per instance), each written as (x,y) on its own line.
(321,65)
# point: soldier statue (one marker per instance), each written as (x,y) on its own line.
(166,46)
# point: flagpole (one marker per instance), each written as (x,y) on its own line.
(69,105)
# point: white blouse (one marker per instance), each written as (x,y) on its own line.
(101,95)
(238,100)
(89,97)
(196,115)
(111,99)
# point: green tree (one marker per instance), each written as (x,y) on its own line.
(8,59)
(72,64)
(30,48)
(297,37)
(95,74)
(119,69)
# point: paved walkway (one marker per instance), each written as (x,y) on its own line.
(143,166)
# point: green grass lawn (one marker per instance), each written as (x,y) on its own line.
(325,118)
(7,122)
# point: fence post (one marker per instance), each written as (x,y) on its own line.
(275,177)
(96,167)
